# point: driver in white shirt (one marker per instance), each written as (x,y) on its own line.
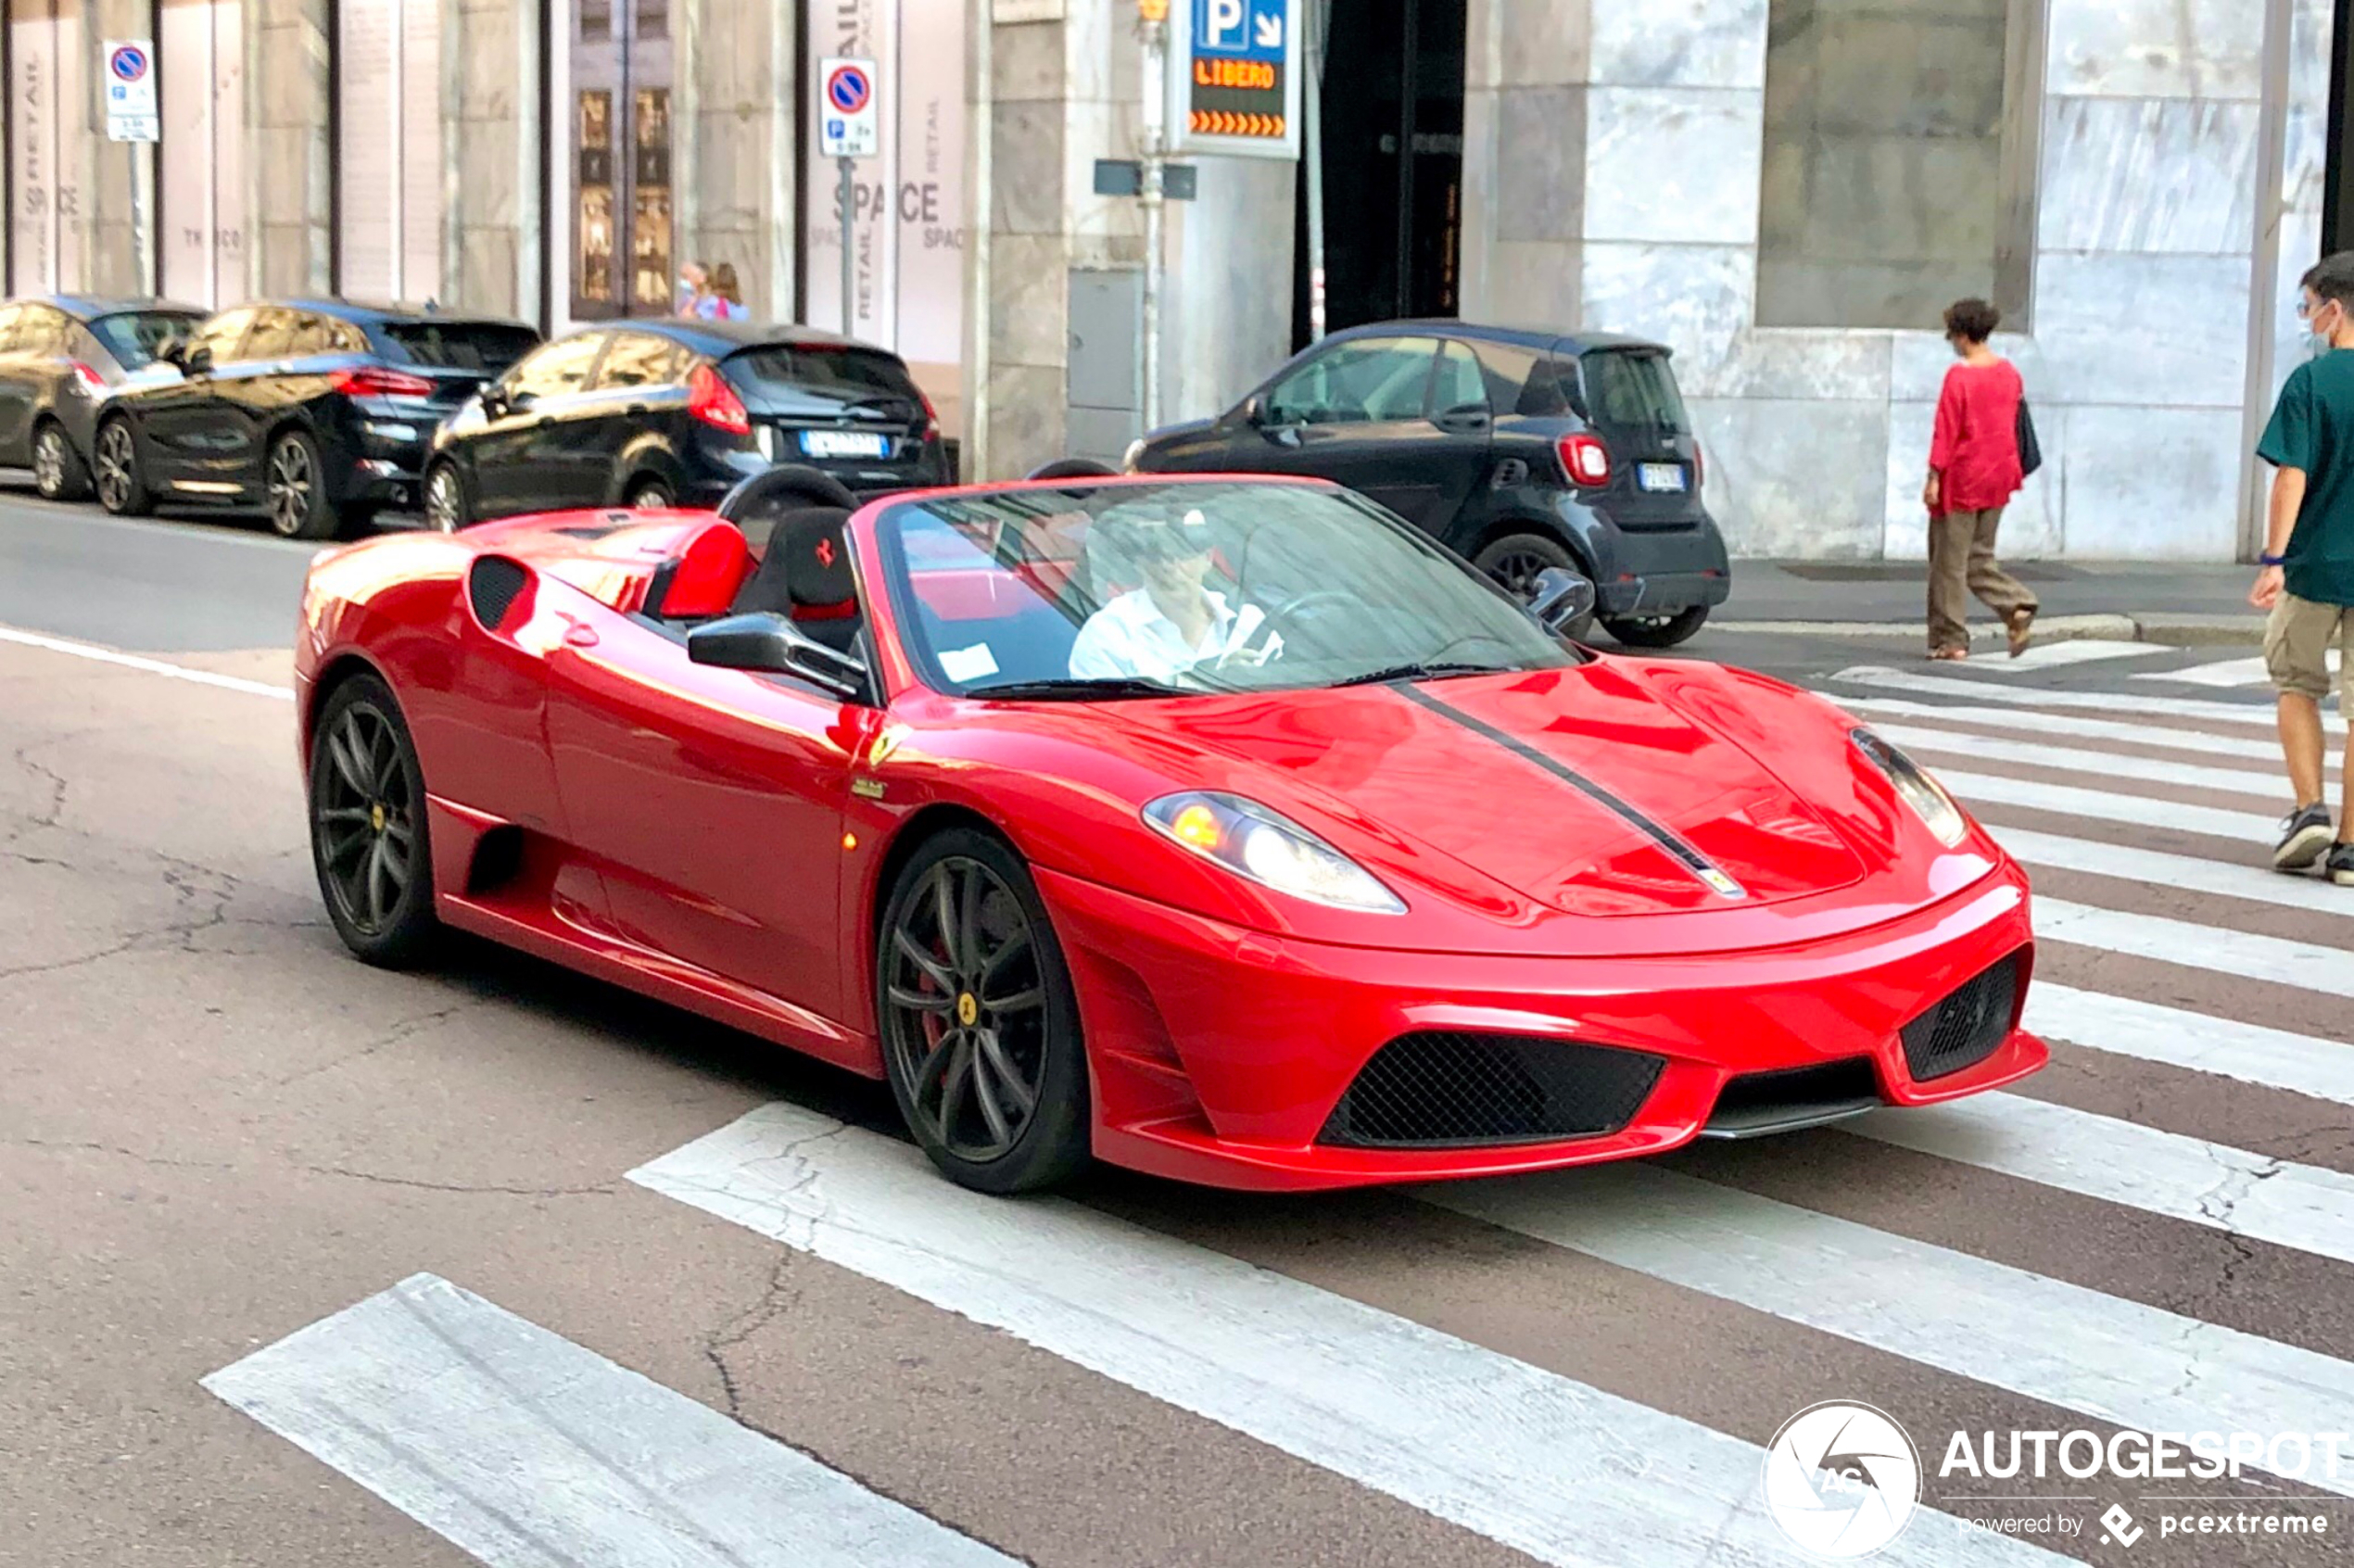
(1173,624)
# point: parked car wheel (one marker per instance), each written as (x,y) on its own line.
(1514,561)
(296,483)
(1656,631)
(58,473)
(980,1021)
(122,489)
(649,494)
(447,506)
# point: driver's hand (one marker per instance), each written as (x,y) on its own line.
(1247,658)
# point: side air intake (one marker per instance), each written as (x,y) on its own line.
(492,588)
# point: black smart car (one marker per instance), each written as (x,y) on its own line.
(320,410)
(663,413)
(60,355)
(1520,451)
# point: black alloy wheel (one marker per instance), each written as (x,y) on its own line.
(979,1027)
(1514,562)
(296,483)
(57,470)
(368,839)
(445,506)
(1657,631)
(121,490)
(649,494)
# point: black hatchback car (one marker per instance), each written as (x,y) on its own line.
(320,410)
(60,355)
(677,412)
(1520,451)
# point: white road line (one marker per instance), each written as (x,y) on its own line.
(2226,671)
(2078,726)
(2249,1053)
(530,1451)
(1561,1471)
(2110,805)
(2258,960)
(152,667)
(2301,1207)
(2188,872)
(2112,1359)
(1881,679)
(2076,651)
(2100,765)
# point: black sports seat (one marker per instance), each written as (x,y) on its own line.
(805,573)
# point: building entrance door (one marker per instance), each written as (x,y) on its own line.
(623,256)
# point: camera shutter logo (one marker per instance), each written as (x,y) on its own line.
(1841,1479)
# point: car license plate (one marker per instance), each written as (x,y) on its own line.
(1660,477)
(844,444)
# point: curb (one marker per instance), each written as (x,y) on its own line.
(2181,630)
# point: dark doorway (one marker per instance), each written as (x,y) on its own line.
(2337,184)
(620,122)
(1393,156)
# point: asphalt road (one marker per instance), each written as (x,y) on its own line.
(659,1341)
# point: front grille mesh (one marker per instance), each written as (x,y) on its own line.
(1437,1089)
(1966,1028)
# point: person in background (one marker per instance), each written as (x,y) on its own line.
(2306,577)
(728,293)
(1973,473)
(694,288)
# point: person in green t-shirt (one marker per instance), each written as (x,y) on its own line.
(2306,581)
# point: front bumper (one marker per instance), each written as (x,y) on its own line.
(1217,1055)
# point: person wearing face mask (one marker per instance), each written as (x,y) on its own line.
(1974,469)
(2306,577)
(694,288)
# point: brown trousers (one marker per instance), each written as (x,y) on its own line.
(1961,561)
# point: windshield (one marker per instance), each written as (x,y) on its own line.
(134,337)
(1144,590)
(489,347)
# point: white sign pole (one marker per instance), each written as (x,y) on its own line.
(1150,192)
(127,66)
(849,128)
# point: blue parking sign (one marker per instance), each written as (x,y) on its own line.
(1242,29)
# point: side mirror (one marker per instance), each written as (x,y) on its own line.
(768,643)
(196,361)
(174,352)
(1255,412)
(1562,598)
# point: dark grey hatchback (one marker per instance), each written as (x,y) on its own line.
(1518,450)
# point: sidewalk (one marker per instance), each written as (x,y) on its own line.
(2186,604)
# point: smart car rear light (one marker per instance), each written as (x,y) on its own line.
(712,400)
(374,381)
(1586,460)
(931,415)
(91,381)
(1700,466)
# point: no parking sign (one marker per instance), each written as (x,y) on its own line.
(849,120)
(131,89)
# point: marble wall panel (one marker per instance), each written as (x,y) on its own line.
(1530,284)
(1027,410)
(1676,164)
(1229,329)
(1026,169)
(1029,306)
(2300,247)
(1679,43)
(1545,198)
(1695,298)
(1919,362)
(2162,330)
(1796,478)
(1025,63)
(2156,48)
(2146,484)
(2148,174)
(1543,43)
(1778,362)
(2031,524)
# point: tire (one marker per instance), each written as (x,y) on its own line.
(1657,631)
(296,481)
(122,489)
(966,1032)
(369,841)
(58,473)
(649,494)
(1513,560)
(448,507)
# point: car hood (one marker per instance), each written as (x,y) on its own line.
(1578,789)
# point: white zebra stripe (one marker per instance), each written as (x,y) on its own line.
(2111,1358)
(1880,677)
(2259,960)
(2069,651)
(529,1451)
(2100,765)
(2226,671)
(2110,805)
(2257,883)
(2226,1047)
(1521,1455)
(2074,725)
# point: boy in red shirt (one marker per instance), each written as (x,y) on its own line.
(1973,474)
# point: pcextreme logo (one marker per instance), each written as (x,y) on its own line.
(1842,1480)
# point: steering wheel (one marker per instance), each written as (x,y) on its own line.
(789,487)
(1315,602)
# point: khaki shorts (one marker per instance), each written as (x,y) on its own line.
(2297,648)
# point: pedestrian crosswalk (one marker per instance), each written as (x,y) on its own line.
(1587,1367)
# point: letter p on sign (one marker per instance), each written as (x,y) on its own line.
(1225,23)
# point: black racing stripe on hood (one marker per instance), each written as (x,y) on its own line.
(1706,872)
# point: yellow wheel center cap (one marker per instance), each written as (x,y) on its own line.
(376,816)
(968,1009)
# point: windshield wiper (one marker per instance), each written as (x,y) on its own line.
(1433,670)
(1076,689)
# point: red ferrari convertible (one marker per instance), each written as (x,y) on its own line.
(1224,829)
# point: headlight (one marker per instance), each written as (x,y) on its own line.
(1128,458)
(1924,795)
(1250,841)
